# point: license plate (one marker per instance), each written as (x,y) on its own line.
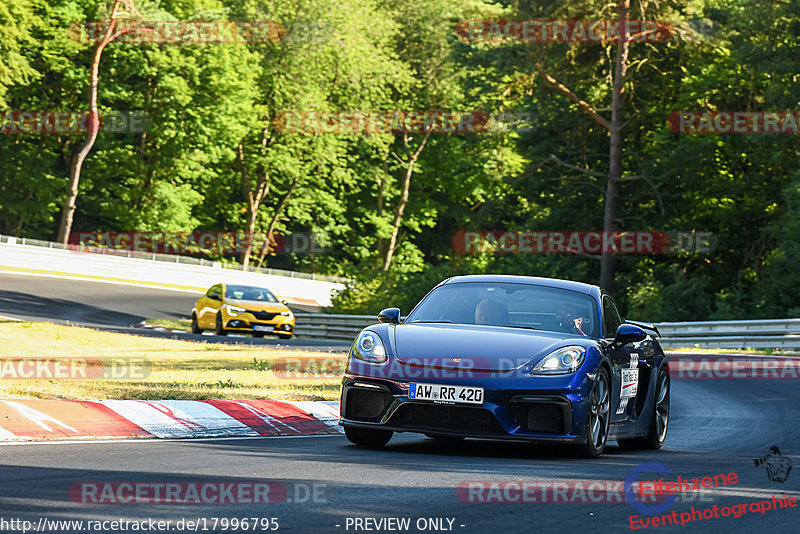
(445,394)
(262,328)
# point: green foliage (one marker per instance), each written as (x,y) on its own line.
(212,134)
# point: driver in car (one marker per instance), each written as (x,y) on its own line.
(491,312)
(574,322)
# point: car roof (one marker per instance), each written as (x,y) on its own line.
(532,280)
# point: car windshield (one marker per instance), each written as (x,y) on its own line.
(509,304)
(249,293)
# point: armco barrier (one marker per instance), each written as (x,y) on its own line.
(769,333)
(160,269)
(761,333)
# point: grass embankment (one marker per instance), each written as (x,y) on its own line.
(172,369)
(174,324)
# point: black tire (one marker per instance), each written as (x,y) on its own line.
(196,327)
(659,421)
(598,418)
(258,334)
(367,437)
(218,329)
(285,336)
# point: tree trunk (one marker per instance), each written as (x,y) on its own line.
(397,220)
(253,200)
(68,210)
(615,149)
(274,221)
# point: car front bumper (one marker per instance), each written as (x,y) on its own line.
(245,322)
(539,409)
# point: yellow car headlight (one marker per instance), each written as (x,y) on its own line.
(234,310)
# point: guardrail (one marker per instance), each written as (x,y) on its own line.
(765,333)
(757,334)
(331,326)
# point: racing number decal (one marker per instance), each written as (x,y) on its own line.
(629,383)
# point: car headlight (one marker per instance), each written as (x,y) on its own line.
(561,361)
(233,310)
(369,347)
(287,313)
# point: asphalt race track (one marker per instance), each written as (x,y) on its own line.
(115,307)
(717,426)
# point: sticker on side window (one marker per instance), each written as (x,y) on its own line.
(630,383)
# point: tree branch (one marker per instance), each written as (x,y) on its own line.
(584,105)
(576,168)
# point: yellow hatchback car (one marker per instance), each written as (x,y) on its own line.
(246,309)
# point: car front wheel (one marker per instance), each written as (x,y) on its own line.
(196,327)
(597,420)
(218,328)
(367,437)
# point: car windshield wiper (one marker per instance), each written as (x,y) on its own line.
(525,327)
(415,322)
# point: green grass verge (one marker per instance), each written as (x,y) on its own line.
(175,369)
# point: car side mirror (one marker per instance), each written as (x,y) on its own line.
(628,333)
(285,302)
(214,297)
(390,315)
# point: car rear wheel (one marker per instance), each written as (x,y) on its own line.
(367,437)
(258,334)
(597,420)
(196,327)
(218,328)
(658,422)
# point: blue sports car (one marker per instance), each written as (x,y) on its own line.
(509,357)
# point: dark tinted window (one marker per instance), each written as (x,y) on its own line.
(249,293)
(611,318)
(509,304)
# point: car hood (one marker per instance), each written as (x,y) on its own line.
(254,305)
(478,347)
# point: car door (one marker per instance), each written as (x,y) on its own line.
(625,362)
(210,304)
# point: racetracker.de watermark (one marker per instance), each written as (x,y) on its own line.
(561,491)
(74,368)
(733,368)
(71,122)
(398,122)
(181,31)
(196,492)
(581,242)
(308,367)
(188,243)
(563,31)
(734,122)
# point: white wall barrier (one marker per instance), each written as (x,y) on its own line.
(300,288)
